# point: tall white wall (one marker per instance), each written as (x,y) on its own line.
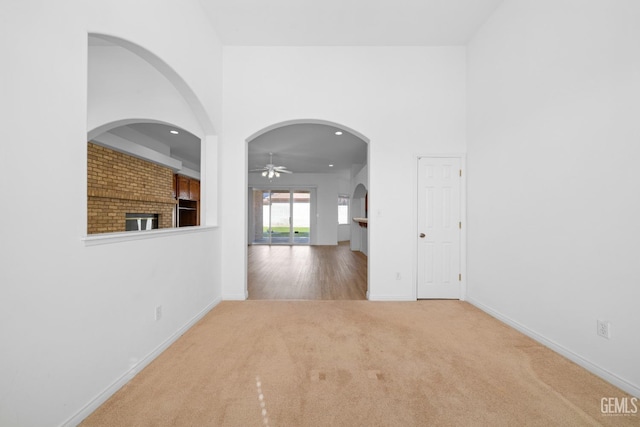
(77,320)
(408,101)
(553,179)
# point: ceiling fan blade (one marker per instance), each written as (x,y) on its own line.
(283,171)
(258,170)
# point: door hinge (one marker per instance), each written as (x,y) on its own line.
(460,172)
(459,277)
(460,225)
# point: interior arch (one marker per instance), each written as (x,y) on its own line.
(359,209)
(93,133)
(327,158)
(307,121)
(192,100)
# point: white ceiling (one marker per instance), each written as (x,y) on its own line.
(308,148)
(184,146)
(348,22)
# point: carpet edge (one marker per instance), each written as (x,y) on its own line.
(110,390)
(610,377)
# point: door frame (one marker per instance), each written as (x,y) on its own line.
(463,218)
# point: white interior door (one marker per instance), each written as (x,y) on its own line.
(439,227)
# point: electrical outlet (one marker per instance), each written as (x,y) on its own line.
(158,312)
(603,329)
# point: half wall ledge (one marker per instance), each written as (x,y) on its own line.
(106,238)
(363,222)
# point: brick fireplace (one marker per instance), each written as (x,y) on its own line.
(118,184)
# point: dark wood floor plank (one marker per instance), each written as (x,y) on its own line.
(306,272)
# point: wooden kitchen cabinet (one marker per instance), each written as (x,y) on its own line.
(194,189)
(188,195)
(183,189)
(187,188)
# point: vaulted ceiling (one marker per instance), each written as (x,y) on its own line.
(312,147)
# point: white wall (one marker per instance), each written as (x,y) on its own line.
(77,320)
(325,224)
(553,206)
(344,232)
(407,101)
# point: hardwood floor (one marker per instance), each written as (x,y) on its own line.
(306,272)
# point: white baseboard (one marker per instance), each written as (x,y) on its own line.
(234,297)
(390,298)
(94,404)
(621,383)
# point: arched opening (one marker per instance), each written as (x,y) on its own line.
(299,174)
(142,176)
(146,134)
(360,213)
(113,49)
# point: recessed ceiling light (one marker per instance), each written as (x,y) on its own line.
(338,132)
(330,166)
(175,132)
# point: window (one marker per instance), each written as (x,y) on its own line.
(343,209)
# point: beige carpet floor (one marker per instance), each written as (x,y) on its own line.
(358,363)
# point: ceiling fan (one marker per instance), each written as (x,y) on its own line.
(271,170)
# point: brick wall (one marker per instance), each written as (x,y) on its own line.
(118,184)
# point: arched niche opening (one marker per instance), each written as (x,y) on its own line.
(146,136)
(360,213)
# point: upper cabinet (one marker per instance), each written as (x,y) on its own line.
(194,189)
(187,188)
(187,192)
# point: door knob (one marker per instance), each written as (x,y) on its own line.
(422,235)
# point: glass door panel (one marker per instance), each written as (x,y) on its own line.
(301,216)
(280,217)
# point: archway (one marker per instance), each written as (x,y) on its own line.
(327,160)
(202,121)
(359,229)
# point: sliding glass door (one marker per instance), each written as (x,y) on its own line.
(281,216)
(301,216)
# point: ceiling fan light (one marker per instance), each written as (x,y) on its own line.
(271,174)
(277,175)
(264,173)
